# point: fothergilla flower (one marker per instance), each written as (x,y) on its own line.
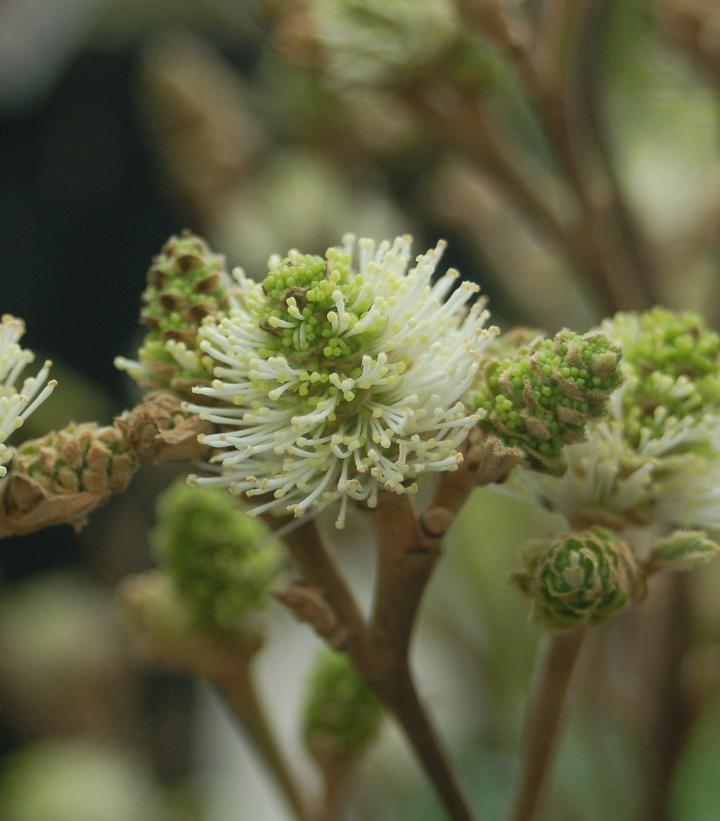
(341,376)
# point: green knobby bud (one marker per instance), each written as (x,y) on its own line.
(341,717)
(186,283)
(216,556)
(672,361)
(578,578)
(540,396)
(77,459)
(682,550)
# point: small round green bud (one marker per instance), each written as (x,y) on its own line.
(578,578)
(186,283)
(540,396)
(212,552)
(341,717)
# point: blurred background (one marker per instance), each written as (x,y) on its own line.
(566,191)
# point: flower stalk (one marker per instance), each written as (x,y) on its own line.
(546,707)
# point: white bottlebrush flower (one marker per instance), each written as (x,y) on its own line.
(17,404)
(343,376)
(377,41)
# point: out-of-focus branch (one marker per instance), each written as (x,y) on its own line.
(554,91)
(226,663)
(695,28)
(592,37)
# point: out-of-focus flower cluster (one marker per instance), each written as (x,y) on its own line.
(656,459)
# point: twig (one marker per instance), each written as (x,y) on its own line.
(592,38)
(387,674)
(546,705)
(405,566)
(555,103)
(673,715)
(227,665)
(239,691)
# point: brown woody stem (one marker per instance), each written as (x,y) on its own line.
(384,665)
(543,719)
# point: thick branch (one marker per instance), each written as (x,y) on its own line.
(383,667)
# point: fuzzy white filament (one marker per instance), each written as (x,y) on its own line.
(17,403)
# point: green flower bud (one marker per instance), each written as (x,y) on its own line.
(341,717)
(578,578)
(77,459)
(211,551)
(186,283)
(682,550)
(541,395)
(672,361)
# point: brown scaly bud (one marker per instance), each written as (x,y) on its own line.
(187,282)
(159,430)
(62,476)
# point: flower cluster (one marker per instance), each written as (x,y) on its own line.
(186,283)
(371,41)
(540,395)
(210,550)
(16,405)
(578,578)
(341,376)
(341,717)
(657,457)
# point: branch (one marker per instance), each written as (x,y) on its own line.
(593,42)
(386,673)
(225,662)
(240,693)
(545,709)
(555,103)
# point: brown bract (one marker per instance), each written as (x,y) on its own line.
(159,430)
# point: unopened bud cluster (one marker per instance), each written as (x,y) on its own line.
(541,396)
(78,458)
(579,578)
(673,363)
(186,283)
(221,561)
